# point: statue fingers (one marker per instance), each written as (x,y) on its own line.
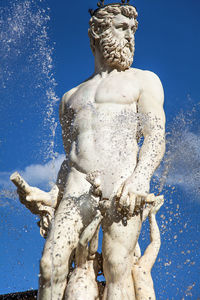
(124,199)
(37,197)
(22,195)
(119,192)
(150,198)
(158,206)
(132,198)
(125,205)
(139,200)
(22,199)
(97,191)
(30,198)
(21,191)
(159,200)
(45,221)
(94,179)
(97,182)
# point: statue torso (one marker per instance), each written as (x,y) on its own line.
(103,118)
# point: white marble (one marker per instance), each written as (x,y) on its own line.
(102,120)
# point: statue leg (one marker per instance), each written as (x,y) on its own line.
(118,249)
(62,240)
(74,212)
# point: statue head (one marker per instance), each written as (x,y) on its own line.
(111,31)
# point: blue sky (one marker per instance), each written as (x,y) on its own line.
(44,51)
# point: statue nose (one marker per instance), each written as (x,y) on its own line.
(128,35)
(128,38)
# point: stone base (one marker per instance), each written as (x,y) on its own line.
(32,295)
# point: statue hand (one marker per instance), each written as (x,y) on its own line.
(159,200)
(40,203)
(131,194)
(94,179)
(36,197)
(46,214)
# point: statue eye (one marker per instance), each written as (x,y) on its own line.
(119,27)
(133,28)
(122,27)
(125,26)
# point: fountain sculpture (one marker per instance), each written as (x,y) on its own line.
(105,178)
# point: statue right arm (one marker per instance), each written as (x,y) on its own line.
(66,116)
(34,196)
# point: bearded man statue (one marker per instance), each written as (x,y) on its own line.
(105,170)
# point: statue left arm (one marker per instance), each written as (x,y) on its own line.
(152,121)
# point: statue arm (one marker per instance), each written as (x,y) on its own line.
(61,180)
(33,197)
(66,116)
(152,121)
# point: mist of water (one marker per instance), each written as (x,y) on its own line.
(181,164)
(25,44)
(26,71)
(27,74)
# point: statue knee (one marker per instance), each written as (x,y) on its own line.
(115,266)
(60,266)
(46,266)
(54,264)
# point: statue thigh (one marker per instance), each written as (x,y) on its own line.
(119,242)
(70,219)
(62,239)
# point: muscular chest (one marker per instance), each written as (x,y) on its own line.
(117,89)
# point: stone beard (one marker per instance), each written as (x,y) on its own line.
(116,53)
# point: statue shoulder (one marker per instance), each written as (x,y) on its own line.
(67,95)
(150,84)
(146,75)
(65,98)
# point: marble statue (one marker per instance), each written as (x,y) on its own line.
(105,170)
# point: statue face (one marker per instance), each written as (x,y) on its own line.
(117,43)
(123,28)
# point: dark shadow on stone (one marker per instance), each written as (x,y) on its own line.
(29,295)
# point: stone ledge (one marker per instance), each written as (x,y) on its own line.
(32,295)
